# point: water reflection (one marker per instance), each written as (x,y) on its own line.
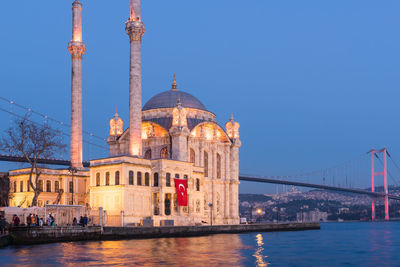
(197,251)
(260,258)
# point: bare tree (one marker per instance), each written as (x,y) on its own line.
(32,141)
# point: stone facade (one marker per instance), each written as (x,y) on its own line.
(57,187)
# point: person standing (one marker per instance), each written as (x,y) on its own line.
(16,220)
(33,220)
(75,222)
(85,221)
(29,220)
(3,225)
(41,222)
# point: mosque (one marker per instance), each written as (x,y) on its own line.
(173,162)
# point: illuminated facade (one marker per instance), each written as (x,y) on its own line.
(180,139)
(172,136)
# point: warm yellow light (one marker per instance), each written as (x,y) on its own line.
(259,211)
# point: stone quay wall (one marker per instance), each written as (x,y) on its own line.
(39,235)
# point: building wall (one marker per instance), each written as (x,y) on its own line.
(23,197)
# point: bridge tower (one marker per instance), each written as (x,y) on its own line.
(374,153)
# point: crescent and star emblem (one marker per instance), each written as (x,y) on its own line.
(181,185)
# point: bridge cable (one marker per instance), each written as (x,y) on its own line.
(48,117)
(66,134)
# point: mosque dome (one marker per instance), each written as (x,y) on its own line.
(169,99)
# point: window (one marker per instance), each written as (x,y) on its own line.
(218,165)
(131,177)
(168,179)
(164,153)
(147,179)
(185,177)
(98,179)
(139,178)
(107,178)
(15,187)
(205,164)
(21,186)
(155,183)
(117,178)
(197,184)
(167,204)
(28,186)
(71,187)
(57,186)
(156,203)
(176,176)
(41,185)
(48,186)
(147,155)
(192,156)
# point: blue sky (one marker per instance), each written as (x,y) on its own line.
(312,83)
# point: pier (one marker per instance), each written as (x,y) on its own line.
(40,235)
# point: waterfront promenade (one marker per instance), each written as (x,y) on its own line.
(40,235)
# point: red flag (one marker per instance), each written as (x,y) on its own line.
(181,191)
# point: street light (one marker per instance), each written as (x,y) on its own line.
(259,211)
(72,170)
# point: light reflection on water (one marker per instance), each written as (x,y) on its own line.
(260,258)
(336,244)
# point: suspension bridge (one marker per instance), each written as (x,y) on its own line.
(340,178)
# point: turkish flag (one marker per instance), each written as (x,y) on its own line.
(181,191)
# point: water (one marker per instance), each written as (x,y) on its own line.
(336,244)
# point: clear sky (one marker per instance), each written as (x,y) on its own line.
(313,83)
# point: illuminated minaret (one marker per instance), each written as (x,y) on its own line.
(135,29)
(76,48)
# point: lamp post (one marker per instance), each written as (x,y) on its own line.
(259,211)
(72,170)
(211,212)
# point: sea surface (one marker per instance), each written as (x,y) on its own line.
(336,244)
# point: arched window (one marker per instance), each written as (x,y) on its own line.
(218,165)
(164,153)
(21,186)
(48,186)
(155,183)
(147,179)
(192,156)
(98,179)
(139,178)
(147,155)
(197,184)
(168,179)
(205,164)
(41,185)
(107,178)
(57,186)
(131,177)
(117,178)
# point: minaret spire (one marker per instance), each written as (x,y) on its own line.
(77,49)
(174,84)
(135,29)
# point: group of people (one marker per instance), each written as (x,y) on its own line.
(34,220)
(83,221)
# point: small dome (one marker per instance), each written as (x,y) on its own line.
(169,99)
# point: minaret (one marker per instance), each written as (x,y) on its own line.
(76,48)
(135,29)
